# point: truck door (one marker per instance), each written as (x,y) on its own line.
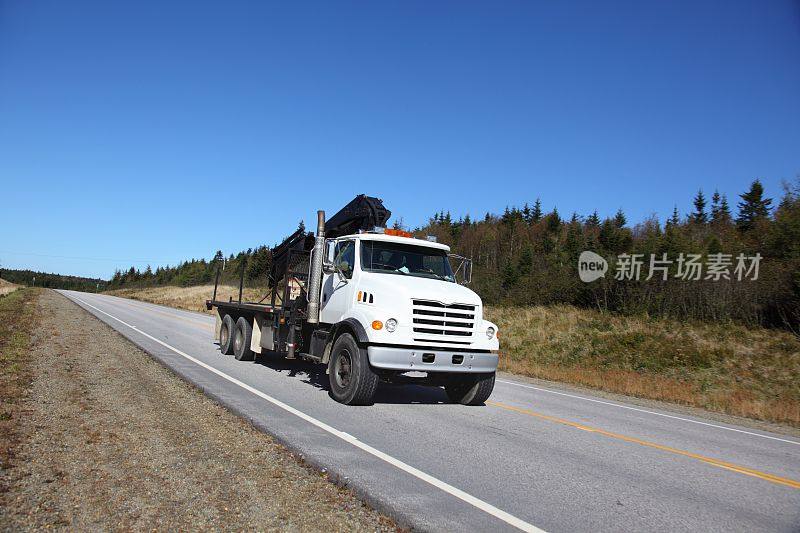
(337,288)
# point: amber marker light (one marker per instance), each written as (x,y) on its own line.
(397,232)
(377,324)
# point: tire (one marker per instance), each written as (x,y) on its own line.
(243,334)
(352,380)
(226,335)
(470,389)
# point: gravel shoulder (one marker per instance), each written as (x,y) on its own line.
(109,439)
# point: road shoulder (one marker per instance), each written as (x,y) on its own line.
(111,439)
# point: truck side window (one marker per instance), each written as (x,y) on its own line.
(345,257)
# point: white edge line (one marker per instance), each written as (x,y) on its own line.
(439,484)
(649,412)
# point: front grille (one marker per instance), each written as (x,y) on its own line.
(442,321)
(440,341)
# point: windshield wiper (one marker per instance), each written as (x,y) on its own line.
(431,272)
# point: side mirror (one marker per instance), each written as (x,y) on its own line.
(463,270)
(467,272)
(328,267)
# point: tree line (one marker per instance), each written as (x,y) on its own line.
(526,256)
(256,262)
(32,278)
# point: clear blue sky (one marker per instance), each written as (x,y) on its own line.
(159,131)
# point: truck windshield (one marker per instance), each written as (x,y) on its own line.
(405,260)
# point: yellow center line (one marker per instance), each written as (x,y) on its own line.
(709,460)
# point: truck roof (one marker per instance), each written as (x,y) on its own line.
(401,240)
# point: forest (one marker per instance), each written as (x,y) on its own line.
(526,256)
(52,281)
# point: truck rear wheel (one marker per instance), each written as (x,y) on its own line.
(352,380)
(470,389)
(242,336)
(226,335)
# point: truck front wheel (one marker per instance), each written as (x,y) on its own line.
(241,340)
(470,389)
(226,332)
(352,380)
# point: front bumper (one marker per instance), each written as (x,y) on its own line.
(408,359)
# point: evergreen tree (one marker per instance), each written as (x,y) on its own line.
(593,221)
(527,214)
(574,243)
(510,275)
(675,219)
(714,246)
(536,215)
(720,211)
(554,221)
(619,219)
(725,210)
(753,207)
(525,263)
(260,261)
(699,216)
(786,232)
(506,218)
(715,201)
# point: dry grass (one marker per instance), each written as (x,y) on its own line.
(190,298)
(750,372)
(6,287)
(17,322)
(729,368)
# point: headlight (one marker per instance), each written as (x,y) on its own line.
(391,325)
(489,332)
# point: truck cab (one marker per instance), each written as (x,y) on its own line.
(400,297)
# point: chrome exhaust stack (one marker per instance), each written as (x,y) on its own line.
(315,275)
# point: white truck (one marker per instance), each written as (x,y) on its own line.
(373,304)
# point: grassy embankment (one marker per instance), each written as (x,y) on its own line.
(752,372)
(729,368)
(6,287)
(17,321)
(191,298)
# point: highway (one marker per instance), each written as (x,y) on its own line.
(533,458)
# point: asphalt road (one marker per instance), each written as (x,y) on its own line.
(532,458)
